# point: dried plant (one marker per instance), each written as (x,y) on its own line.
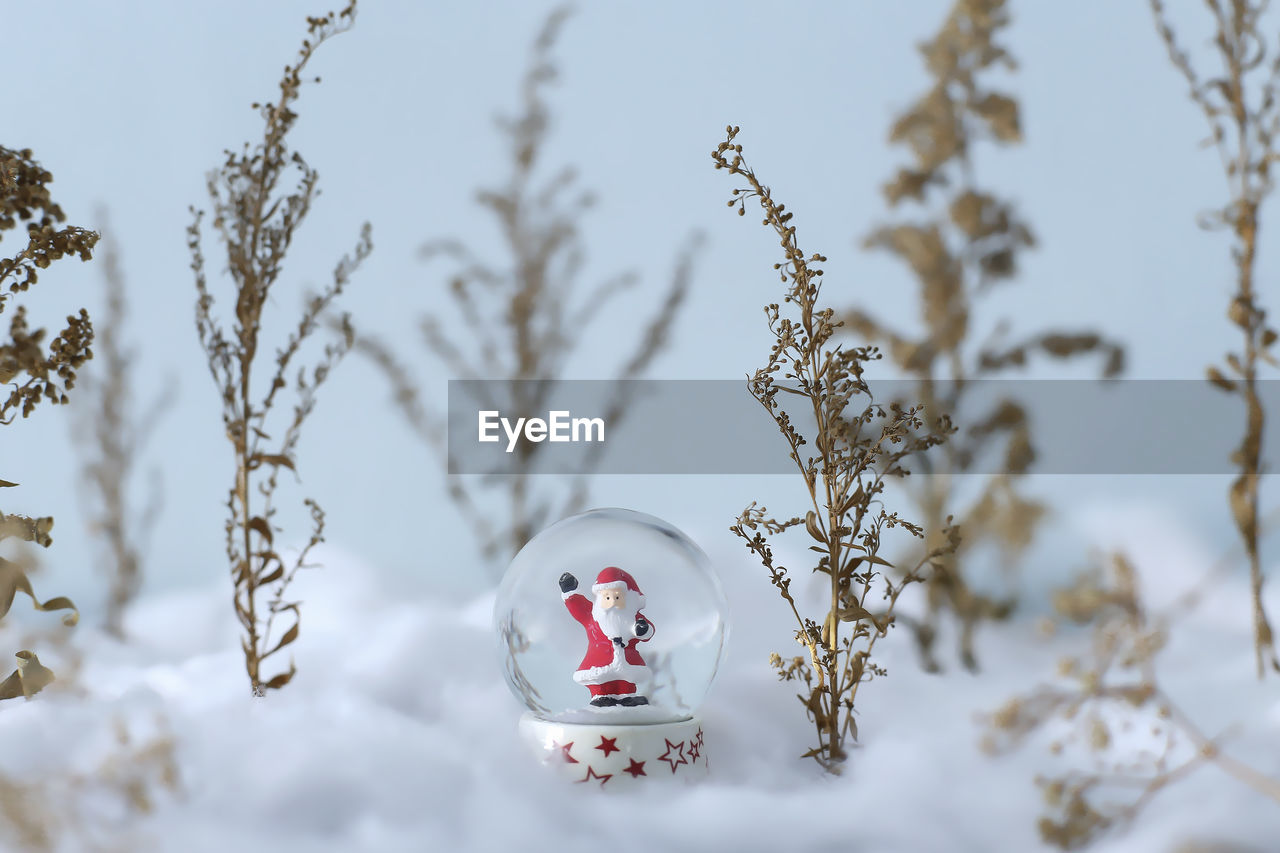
(51,638)
(1110,696)
(33,373)
(111,433)
(968,241)
(24,816)
(856,450)
(1110,701)
(58,810)
(24,196)
(30,676)
(521,317)
(255,221)
(1242,107)
(139,769)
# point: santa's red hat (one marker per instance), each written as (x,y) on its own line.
(615,578)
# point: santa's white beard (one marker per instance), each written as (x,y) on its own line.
(615,622)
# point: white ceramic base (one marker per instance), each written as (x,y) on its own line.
(619,756)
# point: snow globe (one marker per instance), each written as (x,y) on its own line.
(611,625)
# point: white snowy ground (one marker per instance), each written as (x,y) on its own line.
(398,734)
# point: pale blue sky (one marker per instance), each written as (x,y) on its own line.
(130,103)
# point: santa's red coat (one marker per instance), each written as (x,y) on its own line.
(603,662)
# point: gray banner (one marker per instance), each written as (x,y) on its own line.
(716,427)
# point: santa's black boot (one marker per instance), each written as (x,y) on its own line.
(605,702)
(631,701)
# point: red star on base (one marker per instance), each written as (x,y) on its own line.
(698,737)
(674,762)
(694,752)
(608,745)
(564,752)
(635,768)
(591,774)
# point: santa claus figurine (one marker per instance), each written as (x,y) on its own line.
(612,666)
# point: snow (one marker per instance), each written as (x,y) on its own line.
(399,734)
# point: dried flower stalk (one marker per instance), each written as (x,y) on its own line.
(854,452)
(255,221)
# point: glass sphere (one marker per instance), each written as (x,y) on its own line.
(610,616)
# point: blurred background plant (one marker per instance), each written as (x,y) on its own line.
(540,318)
(1241,102)
(1110,700)
(110,432)
(97,808)
(967,241)
(1108,703)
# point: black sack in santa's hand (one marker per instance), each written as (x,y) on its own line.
(568,583)
(642,627)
